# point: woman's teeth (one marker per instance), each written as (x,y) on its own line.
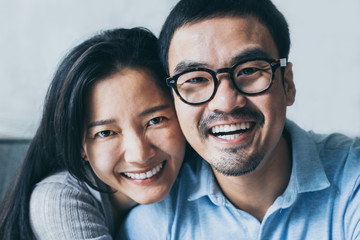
(148,174)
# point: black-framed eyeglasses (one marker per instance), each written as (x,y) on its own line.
(250,77)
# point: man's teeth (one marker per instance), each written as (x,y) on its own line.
(230,128)
(229,137)
(148,174)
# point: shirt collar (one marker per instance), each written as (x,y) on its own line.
(308,173)
(206,184)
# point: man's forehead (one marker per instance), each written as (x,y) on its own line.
(218,40)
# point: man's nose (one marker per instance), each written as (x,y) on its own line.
(226,97)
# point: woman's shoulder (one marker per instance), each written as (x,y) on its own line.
(61,204)
(61,186)
(63,178)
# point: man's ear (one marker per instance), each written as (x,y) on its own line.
(289,85)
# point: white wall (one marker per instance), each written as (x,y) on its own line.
(325,52)
(35,34)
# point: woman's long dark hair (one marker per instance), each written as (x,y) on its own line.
(56,145)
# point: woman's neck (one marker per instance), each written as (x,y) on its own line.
(121,205)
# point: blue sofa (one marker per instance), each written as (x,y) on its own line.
(12,152)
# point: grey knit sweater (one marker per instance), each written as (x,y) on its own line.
(61,208)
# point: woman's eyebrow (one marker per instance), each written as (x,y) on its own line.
(100,122)
(144,113)
(153,110)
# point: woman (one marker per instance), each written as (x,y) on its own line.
(108,139)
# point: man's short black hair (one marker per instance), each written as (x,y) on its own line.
(191,11)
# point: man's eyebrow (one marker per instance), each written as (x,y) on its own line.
(153,110)
(186,65)
(249,53)
(100,122)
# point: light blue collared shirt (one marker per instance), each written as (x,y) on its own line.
(321,201)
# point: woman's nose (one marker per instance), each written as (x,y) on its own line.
(138,148)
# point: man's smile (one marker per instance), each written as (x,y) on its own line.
(230,131)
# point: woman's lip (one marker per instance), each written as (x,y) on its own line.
(143,175)
(146,180)
(145,170)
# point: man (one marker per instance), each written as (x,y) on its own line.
(259,176)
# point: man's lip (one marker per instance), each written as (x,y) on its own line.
(237,124)
(232,138)
(220,123)
(237,115)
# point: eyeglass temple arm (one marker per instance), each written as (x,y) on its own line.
(283,62)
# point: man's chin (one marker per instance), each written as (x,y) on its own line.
(237,167)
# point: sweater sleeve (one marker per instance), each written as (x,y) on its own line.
(61,211)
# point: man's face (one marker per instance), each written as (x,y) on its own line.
(247,128)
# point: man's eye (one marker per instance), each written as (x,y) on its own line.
(247,71)
(104,134)
(197,80)
(156,120)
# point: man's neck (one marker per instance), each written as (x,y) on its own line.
(255,192)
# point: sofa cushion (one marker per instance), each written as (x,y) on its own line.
(12,152)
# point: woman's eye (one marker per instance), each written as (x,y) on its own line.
(156,120)
(104,134)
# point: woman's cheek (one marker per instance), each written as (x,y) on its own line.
(103,157)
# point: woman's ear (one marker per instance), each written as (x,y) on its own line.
(83,152)
(289,85)
(83,156)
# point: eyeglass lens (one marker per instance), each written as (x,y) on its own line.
(249,77)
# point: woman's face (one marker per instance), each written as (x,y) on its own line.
(132,137)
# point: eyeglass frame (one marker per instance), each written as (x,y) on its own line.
(274,64)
